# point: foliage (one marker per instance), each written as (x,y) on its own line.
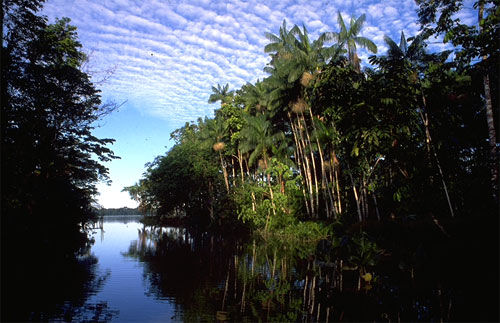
(118,211)
(320,140)
(51,163)
(50,159)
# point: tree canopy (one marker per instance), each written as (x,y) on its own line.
(51,161)
(356,144)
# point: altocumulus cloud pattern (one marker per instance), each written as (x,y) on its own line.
(168,54)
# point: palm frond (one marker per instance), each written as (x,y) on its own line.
(403,45)
(394,50)
(416,48)
(366,43)
(357,24)
(341,23)
(330,36)
(272,37)
(294,31)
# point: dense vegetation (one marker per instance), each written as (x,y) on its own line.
(390,168)
(118,211)
(320,138)
(50,159)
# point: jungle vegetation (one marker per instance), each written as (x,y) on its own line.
(325,139)
(388,168)
(50,161)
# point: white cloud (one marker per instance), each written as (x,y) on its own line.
(390,11)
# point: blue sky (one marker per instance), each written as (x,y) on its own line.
(166,55)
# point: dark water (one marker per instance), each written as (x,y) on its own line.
(152,274)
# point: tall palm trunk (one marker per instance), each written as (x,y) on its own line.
(308,168)
(489,117)
(240,161)
(269,184)
(311,152)
(224,171)
(325,187)
(245,162)
(233,171)
(335,181)
(425,120)
(356,196)
(299,158)
(337,186)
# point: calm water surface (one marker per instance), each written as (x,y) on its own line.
(135,273)
(124,290)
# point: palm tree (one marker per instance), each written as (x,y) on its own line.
(257,138)
(220,93)
(213,132)
(295,63)
(397,55)
(282,43)
(349,38)
(307,56)
(414,57)
(255,97)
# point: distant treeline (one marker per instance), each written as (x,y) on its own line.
(119,211)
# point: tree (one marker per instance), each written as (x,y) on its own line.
(258,138)
(50,159)
(220,93)
(213,134)
(349,38)
(471,43)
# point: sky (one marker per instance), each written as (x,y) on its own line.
(159,59)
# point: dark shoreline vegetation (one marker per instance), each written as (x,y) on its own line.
(118,211)
(375,187)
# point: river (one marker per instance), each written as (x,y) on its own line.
(124,290)
(138,273)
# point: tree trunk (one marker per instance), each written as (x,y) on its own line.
(298,159)
(224,171)
(313,164)
(356,197)
(490,119)
(270,185)
(376,206)
(234,172)
(240,161)
(308,169)
(325,185)
(324,180)
(425,120)
(337,186)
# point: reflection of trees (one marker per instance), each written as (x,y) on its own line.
(185,266)
(343,279)
(209,276)
(45,288)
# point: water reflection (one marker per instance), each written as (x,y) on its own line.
(54,289)
(185,267)
(140,273)
(213,277)
(210,277)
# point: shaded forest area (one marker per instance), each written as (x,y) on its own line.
(50,163)
(118,211)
